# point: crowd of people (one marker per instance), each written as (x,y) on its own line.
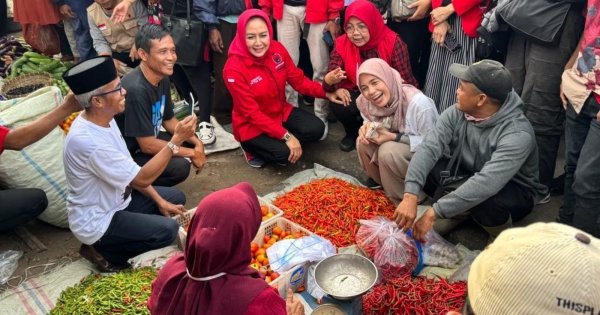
(437,123)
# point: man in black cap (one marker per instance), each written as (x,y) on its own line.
(113,209)
(493,150)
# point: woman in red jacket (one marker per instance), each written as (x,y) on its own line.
(268,128)
(366,37)
(454,25)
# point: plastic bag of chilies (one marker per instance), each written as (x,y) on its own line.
(397,256)
(371,234)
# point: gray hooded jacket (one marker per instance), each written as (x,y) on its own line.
(496,151)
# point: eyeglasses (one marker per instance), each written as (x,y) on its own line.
(118,89)
(362,28)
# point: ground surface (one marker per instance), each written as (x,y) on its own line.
(228,168)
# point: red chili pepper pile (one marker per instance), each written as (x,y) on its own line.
(332,207)
(412,296)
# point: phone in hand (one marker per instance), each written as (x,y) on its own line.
(328,38)
(451,43)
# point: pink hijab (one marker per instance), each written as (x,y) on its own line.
(400,94)
(213,275)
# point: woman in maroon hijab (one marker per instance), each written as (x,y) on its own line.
(213,276)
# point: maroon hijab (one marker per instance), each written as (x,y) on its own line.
(218,242)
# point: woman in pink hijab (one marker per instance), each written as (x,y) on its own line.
(213,276)
(396,118)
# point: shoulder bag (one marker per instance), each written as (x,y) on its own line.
(189,36)
(540,21)
(400,10)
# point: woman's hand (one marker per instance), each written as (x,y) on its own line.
(293,306)
(422,7)
(334,77)
(295,149)
(362,132)
(440,31)
(441,14)
(340,96)
(384,136)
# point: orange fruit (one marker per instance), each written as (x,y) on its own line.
(277,230)
(274,275)
(260,259)
(266,238)
(261,251)
(265,246)
(264,210)
(253,247)
(272,241)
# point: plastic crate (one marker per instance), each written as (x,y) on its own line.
(295,277)
(187,216)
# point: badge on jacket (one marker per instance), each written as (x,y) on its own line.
(278,60)
(102,27)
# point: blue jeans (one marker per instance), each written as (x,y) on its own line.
(81,28)
(581,207)
(140,227)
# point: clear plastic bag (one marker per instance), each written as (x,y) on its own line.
(462,273)
(372,233)
(438,252)
(286,254)
(9,261)
(397,256)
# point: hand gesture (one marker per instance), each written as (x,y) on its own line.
(340,96)
(423,225)
(295,149)
(293,306)
(120,12)
(384,136)
(215,40)
(406,212)
(334,77)
(168,209)
(422,7)
(184,130)
(440,31)
(362,132)
(199,158)
(441,14)
(333,28)
(70,103)
(66,11)
(133,54)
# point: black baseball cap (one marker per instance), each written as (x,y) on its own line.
(489,76)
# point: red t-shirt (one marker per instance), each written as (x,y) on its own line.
(3,132)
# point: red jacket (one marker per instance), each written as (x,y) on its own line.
(258,91)
(317,11)
(470,12)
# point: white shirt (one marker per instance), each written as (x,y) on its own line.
(421,116)
(99,170)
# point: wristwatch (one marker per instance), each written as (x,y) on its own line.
(287,136)
(337,20)
(174,148)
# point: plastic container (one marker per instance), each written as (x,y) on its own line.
(187,216)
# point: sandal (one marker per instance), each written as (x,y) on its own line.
(88,252)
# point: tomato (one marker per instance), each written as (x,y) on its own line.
(275,237)
(277,230)
(253,247)
(265,246)
(274,275)
(264,210)
(266,262)
(260,258)
(266,238)
(272,241)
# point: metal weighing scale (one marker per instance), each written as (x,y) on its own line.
(331,306)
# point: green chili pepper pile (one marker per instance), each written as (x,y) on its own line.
(122,293)
(332,208)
